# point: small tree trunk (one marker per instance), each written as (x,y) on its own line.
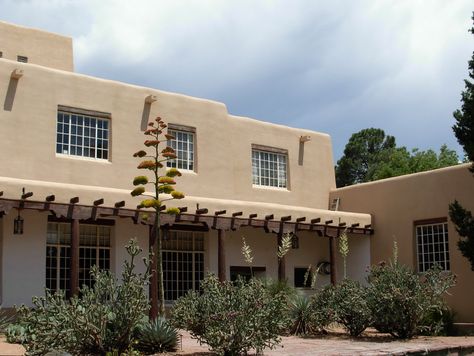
(159,262)
(154,276)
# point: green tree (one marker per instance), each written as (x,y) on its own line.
(361,155)
(162,184)
(464,131)
(400,161)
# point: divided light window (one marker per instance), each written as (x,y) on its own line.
(94,249)
(83,133)
(183,144)
(183,263)
(432,246)
(269,168)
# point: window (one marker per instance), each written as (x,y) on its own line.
(269,168)
(80,133)
(94,249)
(432,245)
(183,263)
(22,59)
(302,277)
(1,54)
(246,272)
(183,144)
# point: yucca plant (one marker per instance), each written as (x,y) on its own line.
(301,316)
(157,336)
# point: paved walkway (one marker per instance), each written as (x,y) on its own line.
(334,344)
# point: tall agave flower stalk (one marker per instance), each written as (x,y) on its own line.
(154,161)
(344,249)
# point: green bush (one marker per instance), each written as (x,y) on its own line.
(101,320)
(156,336)
(323,311)
(351,306)
(232,318)
(400,300)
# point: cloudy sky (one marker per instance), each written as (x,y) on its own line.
(330,66)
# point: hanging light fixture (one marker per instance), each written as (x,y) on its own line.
(295,242)
(18,224)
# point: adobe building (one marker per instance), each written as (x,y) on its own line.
(66,174)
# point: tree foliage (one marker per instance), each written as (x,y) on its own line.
(361,155)
(154,161)
(371,155)
(464,131)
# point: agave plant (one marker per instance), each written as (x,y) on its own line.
(301,316)
(157,336)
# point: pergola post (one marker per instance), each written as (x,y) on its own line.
(153,286)
(74,268)
(332,258)
(281,261)
(221,255)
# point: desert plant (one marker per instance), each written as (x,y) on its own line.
(232,318)
(323,311)
(102,319)
(156,336)
(344,249)
(301,316)
(162,184)
(400,299)
(351,306)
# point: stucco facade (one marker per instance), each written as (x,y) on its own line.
(399,204)
(35,93)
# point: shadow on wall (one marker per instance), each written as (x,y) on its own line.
(10,97)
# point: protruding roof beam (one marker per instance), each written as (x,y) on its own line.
(26,195)
(315,221)
(100,202)
(285,218)
(74,200)
(327,222)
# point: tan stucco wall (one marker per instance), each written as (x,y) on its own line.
(41,47)
(396,203)
(223,142)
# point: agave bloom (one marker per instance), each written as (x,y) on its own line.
(167,189)
(170,137)
(140,153)
(150,203)
(158,119)
(168,149)
(177,195)
(169,155)
(147,165)
(166,180)
(137,191)
(140,180)
(173,172)
(151,131)
(149,143)
(162,125)
(173,211)
(151,123)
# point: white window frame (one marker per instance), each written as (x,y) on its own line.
(63,229)
(428,238)
(262,173)
(177,243)
(98,133)
(184,145)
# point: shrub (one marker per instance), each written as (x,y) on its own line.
(232,318)
(156,336)
(323,311)
(101,320)
(351,306)
(400,300)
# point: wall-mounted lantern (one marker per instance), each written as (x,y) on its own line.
(295,242)
(18,224)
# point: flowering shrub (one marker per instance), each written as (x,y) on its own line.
(232,318)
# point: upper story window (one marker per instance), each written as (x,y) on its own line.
(432,245)
(269,166)
(83,133)
(22,59)
(183,144)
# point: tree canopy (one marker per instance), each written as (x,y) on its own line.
(371,155)
(464,131)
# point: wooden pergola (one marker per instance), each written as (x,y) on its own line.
(199,219)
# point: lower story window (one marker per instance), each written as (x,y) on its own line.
(94,249)
(183,263)
(432,246)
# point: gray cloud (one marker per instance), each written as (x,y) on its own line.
(335,67)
